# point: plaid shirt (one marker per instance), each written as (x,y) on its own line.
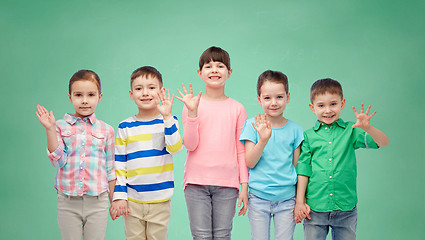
(84,157)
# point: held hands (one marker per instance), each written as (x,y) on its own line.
(363,119)
(301,211)
(191,102)
(46,119)
(166,105)
(263,127)
(118,208)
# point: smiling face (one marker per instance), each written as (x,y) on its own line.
(84,96)
(214,74)
(144,90)
(273,99)
(327,107)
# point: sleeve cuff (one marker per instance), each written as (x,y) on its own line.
(55,155)
(303,169)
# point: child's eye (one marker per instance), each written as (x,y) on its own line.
(78,94)
(152,88)
(266,98)
(320,105)
(333,104)
(138,89)
(279,96)
(92,94)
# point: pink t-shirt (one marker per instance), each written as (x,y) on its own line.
(215,156)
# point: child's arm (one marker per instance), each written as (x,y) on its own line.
(110,162)
(171,130)
(363,122)
(190,117)
(301,210)
(48,121)
(254,151)
(296,155)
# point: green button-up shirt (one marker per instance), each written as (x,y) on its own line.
(328,158)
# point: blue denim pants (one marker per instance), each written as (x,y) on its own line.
(343,224)
(211,210)
(260,213)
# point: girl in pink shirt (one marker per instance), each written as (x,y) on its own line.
(215,165)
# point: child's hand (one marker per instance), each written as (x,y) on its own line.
(46,119)
(118,208)
(263,127)
(243,199)
(191,102)
(167,103)
(301,211)
(363,119)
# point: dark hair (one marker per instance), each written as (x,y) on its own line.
(323,86)
(146,71)
(85,75)
(214,54)
(273,76)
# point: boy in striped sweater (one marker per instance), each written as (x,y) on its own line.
(144,147)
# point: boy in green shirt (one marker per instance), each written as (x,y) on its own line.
(327,169)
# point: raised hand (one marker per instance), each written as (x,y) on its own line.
(46,118)
(191,102)
(363,118)
(166,105)
(263,127)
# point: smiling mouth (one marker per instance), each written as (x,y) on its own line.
(328,117)
(215,78)
(146,100)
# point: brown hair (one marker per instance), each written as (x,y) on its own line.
(214,54)
(146,71)
(85,75)
(273,76)
(323,86)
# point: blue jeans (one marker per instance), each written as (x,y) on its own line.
(211,210)
(343,224)
(260,213)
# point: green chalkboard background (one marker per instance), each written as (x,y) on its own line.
(374,48)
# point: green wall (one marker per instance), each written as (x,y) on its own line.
(374,48)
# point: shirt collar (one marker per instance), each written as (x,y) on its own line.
(71,119)
(340,123)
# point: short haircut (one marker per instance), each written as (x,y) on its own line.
(215,54)
(323,86)
(273,76)
(146,71)
(85,75)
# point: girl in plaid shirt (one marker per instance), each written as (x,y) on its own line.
(81,147)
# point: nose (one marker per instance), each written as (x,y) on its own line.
(84,99)
(214,69)
(145,91)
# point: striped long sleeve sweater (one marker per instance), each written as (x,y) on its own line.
(143,159)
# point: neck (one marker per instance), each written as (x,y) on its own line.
(278,121)
(147,113)
(215,94)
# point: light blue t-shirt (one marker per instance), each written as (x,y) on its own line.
(274,177)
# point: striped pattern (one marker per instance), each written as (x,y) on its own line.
(84,157)
(143,159)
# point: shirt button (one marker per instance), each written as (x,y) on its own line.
(331,194)
(330,142)
(330,159)
(326,128)
(330,176)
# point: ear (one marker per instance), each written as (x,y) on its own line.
(199,73)
(100,97)
(312,108)
(229,73)
(343,104)
(131,94)
(288,97)
(69,96)
(259,100)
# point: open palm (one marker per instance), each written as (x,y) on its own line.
(363,118)
(191,102)
(166,105)
(263,127)
(46,118)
